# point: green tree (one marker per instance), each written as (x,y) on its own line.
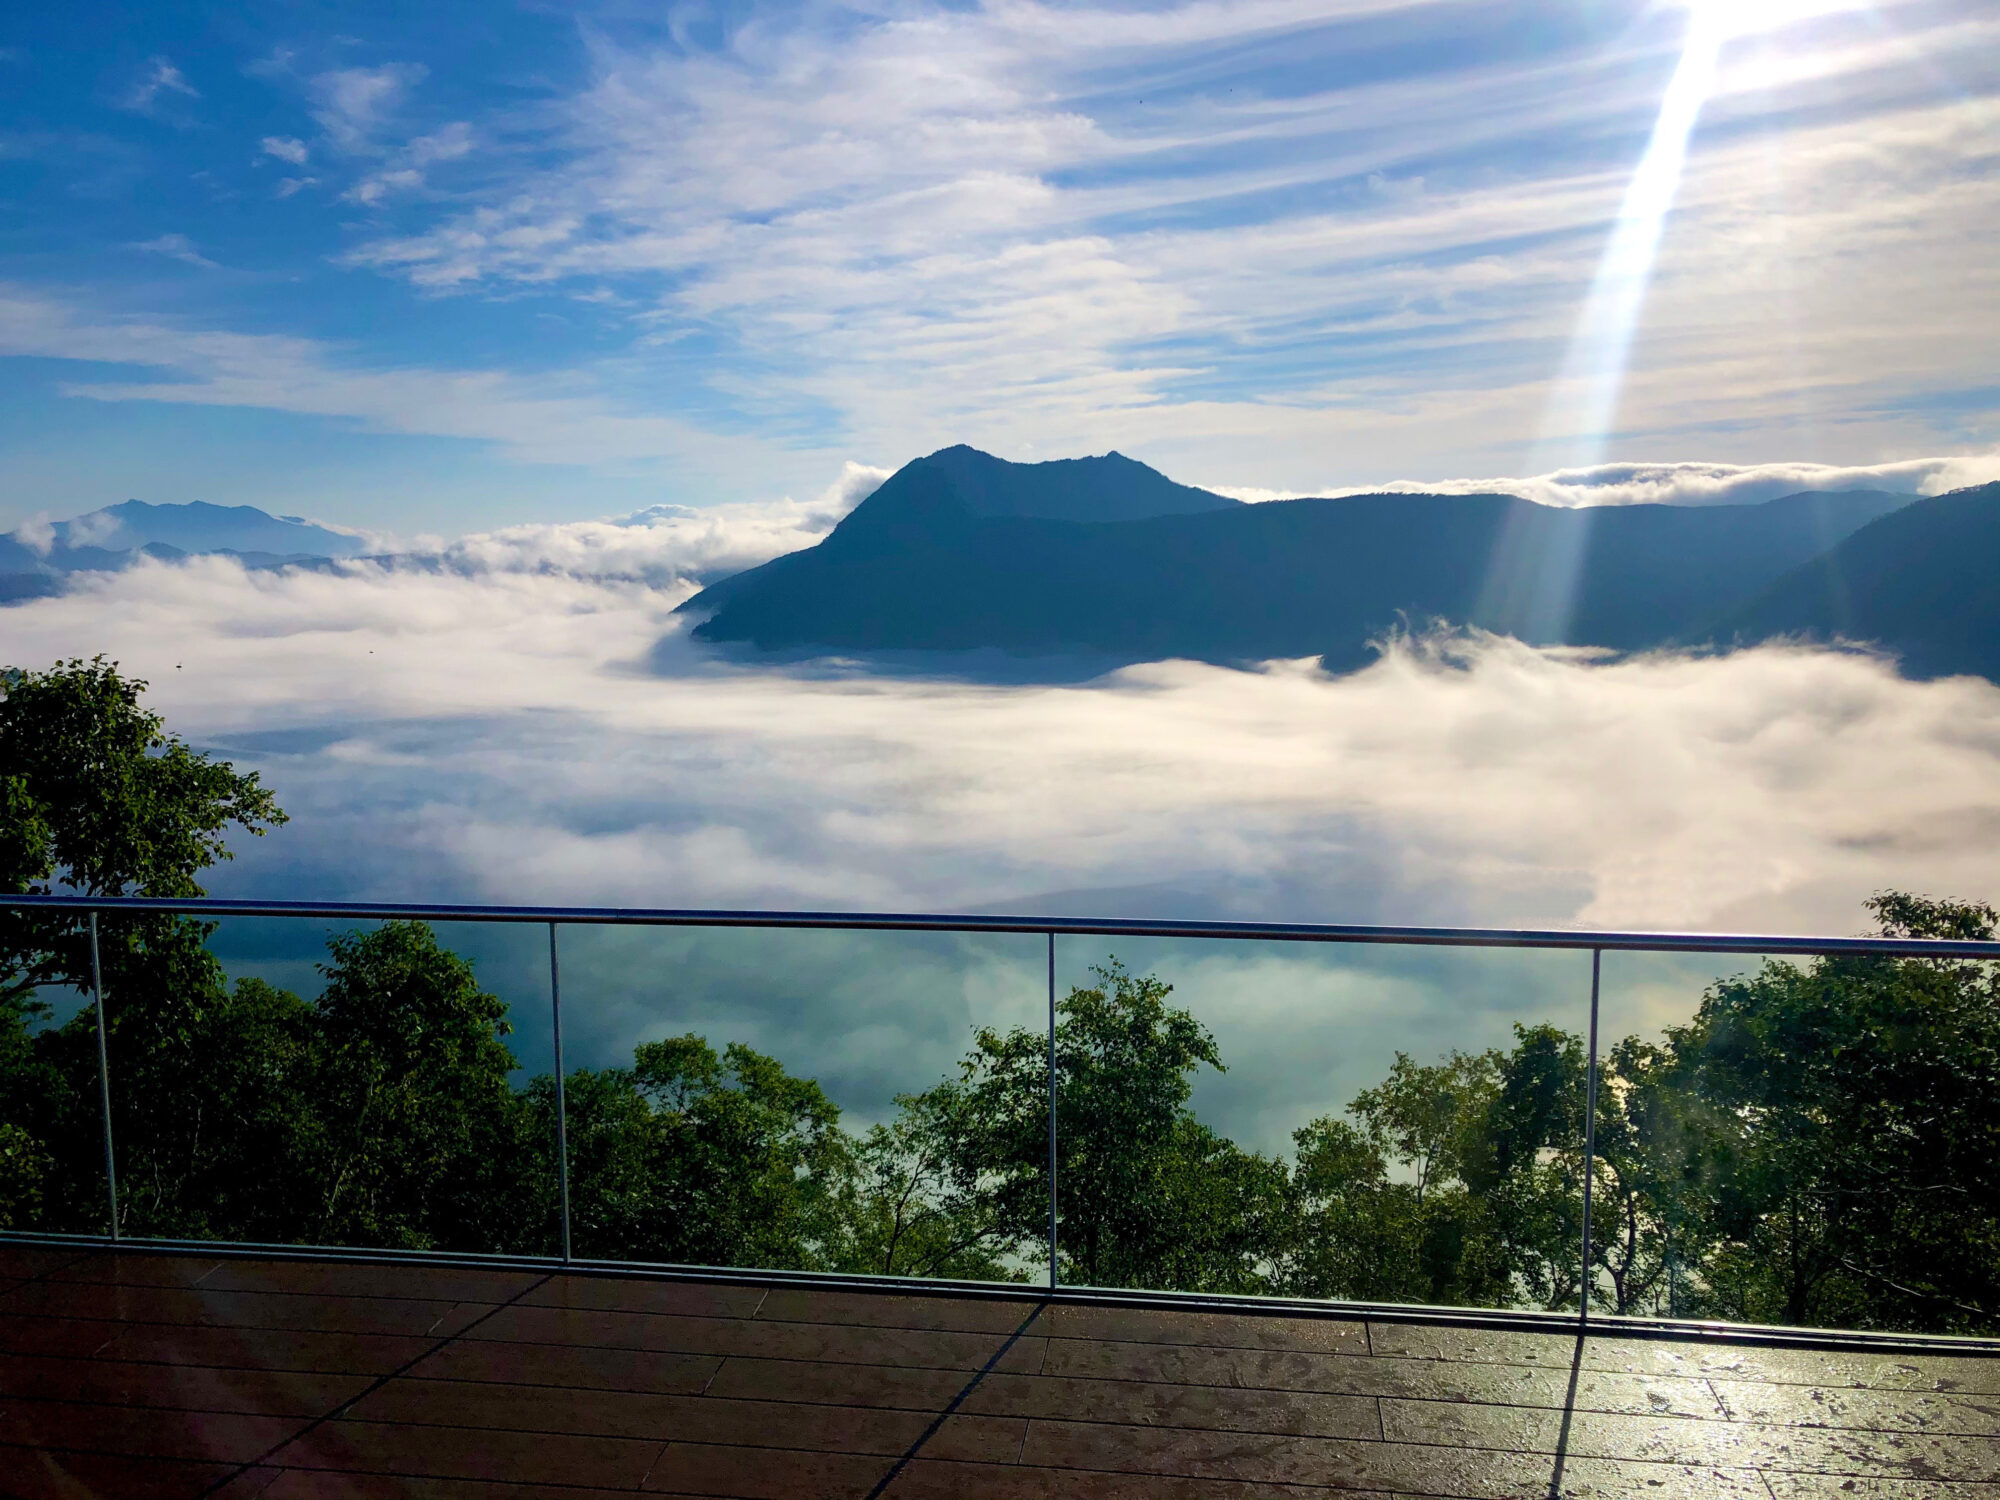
(1380,1208)
(96,798)
(702,1158)
(1524,1161)
(117,804)
(1456,1183)
(411,1135)
(1849,1168)
(914,1209)
(1149,1195)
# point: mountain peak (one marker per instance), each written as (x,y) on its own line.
(1107,487)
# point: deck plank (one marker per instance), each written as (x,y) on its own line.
(316,1312)
(741,1422)
(142,1431)
(472,1453)
(38,1473)
(672,1333)
(184,1387)
(147,1375)
(640,1370)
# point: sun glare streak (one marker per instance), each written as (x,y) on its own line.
(1584,401)
(1530,580)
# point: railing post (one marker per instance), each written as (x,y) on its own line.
(1673,1269)
(1052,1111)
(1589,1142)
(104,1077)
(562,1105)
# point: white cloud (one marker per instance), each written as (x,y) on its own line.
(160,78)
(1683,483)
(533,736)
(952,225)
(354,105)
(37,534)
(407,167)
(97,529)
(554,418)
(666,546)
(177,247)
(284,148)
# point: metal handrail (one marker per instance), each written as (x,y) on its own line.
(1270,932)
(1596,943)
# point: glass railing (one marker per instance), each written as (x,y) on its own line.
(1749,1130)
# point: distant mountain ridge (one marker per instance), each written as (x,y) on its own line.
(118,535)
(931,563)
(1106,560)
(1922,582)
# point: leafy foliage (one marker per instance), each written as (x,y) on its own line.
(97,798)
(1149,1195)
(1844,1161)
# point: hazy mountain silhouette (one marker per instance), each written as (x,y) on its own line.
(1923,582)
(931,563)
(114,537)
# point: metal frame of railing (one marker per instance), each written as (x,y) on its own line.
(1596,943)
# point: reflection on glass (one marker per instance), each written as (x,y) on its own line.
(1806,1141)
(1363,1124)
(1801,1141)
(51,1128)
(290,1082)
(796,1100)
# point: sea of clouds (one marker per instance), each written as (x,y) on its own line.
(532,724)
(1687,483)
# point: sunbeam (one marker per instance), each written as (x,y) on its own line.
(1529,581)
(1584,399)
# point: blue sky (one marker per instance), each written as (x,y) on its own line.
(446,267)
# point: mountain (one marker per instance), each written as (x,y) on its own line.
(1110,488)
(112,538)
(200,527)
(933,562)
(1923,582)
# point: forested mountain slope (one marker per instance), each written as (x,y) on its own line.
(928,563)
(1923,582)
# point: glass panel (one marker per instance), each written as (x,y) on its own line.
(51,1118)
(795,1099)
(1804,1141)
(287,1081)
(1366,1123)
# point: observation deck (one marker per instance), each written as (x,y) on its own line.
(158,1373)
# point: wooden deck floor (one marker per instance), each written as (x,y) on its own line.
(133,1376)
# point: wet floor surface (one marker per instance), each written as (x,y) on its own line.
(134,1375)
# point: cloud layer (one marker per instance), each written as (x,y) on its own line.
(667,546)
(521,733)
(1688,483)
(531,735)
